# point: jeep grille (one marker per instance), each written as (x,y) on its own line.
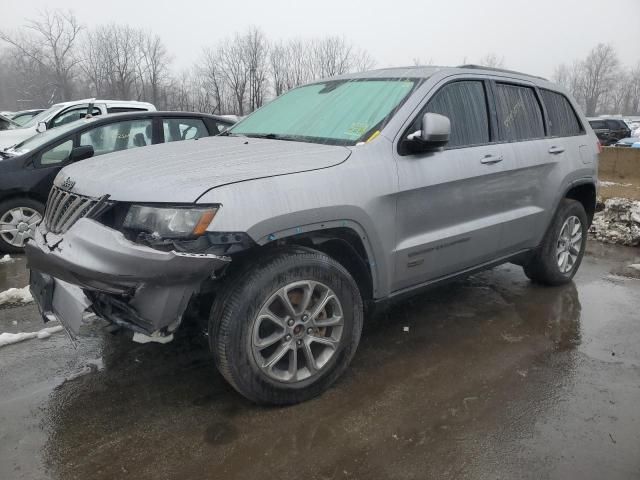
(66,208)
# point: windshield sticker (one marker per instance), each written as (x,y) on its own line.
(373,136)
(356,130)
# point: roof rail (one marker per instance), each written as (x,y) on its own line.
(502,70)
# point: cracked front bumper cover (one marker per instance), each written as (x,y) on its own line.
(93,267)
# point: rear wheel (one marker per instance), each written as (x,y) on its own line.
(18,220)
(286,328)
(559,257)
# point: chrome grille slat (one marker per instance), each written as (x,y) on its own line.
(65,208)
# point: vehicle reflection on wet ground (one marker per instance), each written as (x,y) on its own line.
(495,378)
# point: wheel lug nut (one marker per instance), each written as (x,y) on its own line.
(287,338)
(299,342)
(305,318)
(309,330)
(291,322)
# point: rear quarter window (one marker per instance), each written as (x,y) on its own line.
(563,120)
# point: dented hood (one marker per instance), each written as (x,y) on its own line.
(181,172)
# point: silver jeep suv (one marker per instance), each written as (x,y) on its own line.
(336,197)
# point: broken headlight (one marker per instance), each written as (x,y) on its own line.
(169,222)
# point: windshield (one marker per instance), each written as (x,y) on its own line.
(40,139)
(41,117)
(338,112)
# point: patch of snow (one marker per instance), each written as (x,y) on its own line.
(619,222)
(16,295)
(635,266)
(10,338)
(154,337)
(6,259)
(604,183)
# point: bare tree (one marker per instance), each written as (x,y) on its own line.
(155,63)
(598,75)
(50,42)
(256,53)
(492,60)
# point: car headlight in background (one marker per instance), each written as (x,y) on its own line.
(169,222)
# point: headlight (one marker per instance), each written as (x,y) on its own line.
(169,222)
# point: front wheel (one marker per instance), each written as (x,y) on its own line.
(559,257)
(18,220)
(285,328)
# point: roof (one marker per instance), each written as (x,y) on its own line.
(98,119)
(109,102)
(430,70)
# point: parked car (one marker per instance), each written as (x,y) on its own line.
(63,113)
(348,192)
(28,169)
(609,130)
(6,123)
(628,142)
(22,117)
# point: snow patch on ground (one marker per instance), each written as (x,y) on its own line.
(6,259)
(16,295)
(604,183)
(635,266)
(618,222)
(10,338)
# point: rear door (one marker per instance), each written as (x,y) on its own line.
(451,203)
(529,168)
(116,136)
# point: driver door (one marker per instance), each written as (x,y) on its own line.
(450,202)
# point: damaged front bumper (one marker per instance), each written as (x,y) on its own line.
(95,269)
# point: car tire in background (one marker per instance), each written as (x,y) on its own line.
(285,327)
(18,219)
(557,260)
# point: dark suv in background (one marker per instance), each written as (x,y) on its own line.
(609,130)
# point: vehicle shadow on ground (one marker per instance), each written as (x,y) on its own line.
(466,348)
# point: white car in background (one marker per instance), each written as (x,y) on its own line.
(62,113)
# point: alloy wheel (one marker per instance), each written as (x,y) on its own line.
(569,244)
(297,331)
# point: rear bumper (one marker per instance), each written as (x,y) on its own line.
(94,268)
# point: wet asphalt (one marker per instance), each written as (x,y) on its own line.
(495,378)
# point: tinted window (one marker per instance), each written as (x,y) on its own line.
(118,136)
(616,125)
(598,124)
(72,115)
(176,129)
(58,154)
(563,121)
(519,113)
(465,104)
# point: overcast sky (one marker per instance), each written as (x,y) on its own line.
(532,35)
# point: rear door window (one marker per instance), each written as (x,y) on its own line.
(519,113)
(177,129)
(598,125)
(118,136)
(464,103)
(563,120)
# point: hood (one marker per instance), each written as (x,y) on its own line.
(181,172)
(8,138)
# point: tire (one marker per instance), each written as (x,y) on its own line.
(11,241)
(545,266)
(238,326)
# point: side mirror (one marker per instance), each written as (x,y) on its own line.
(42,127)
(81,153)
(434,132)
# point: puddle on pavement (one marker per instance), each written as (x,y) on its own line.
(486,364)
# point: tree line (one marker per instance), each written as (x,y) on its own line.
(55,58)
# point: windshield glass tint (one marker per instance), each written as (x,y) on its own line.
(337,112)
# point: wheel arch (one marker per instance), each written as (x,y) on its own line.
(585,193)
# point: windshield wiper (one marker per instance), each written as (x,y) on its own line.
(272,136)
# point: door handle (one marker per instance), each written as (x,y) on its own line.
(491,159)
(556,150)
